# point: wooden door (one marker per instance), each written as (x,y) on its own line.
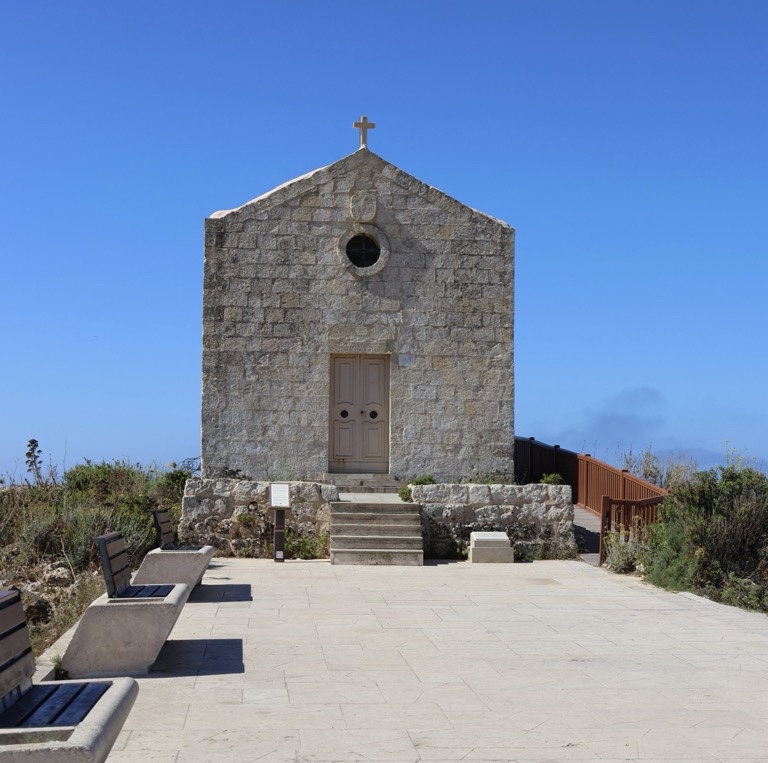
(359,414)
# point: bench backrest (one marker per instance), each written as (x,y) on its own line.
(17,665)
(163,527)
(114,563)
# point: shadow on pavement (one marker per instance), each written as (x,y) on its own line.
(192,657)
(212,592)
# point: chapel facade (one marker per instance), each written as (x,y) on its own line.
(357,320)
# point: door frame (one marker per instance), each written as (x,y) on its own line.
(358,427)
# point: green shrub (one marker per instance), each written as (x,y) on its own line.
(712,530)
(308,546)
(551,479)
(405,492)
(170,487)
(626,550)
(744,593)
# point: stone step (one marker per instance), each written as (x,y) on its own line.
(401,542)
(373,518)
(349,508)
(410,558)
(363,483)
(387,532)
(376,529)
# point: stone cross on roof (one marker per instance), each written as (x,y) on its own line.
(364,125)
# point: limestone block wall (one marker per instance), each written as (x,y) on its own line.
(233,515)
(537,518)
(280,297)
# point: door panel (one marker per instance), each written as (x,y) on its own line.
(359,414)
(344,441)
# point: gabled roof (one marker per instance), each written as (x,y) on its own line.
(347,166)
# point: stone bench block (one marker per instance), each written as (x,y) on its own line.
(490,547)
(90,740)
(122,637)
(174,566)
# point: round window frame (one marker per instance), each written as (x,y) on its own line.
(362,229)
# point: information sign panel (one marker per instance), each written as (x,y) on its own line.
(280,495)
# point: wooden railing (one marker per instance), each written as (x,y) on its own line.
(596,479)
(590,479)
(626,516)
(534,459)
(595,485)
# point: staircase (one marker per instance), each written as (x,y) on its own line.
(375,529)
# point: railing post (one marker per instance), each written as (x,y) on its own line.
(605,524)
(584,490)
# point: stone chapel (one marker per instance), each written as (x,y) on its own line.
(359,321)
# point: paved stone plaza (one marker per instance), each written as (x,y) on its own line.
(550,661)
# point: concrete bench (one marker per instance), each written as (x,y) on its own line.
(56,721)
(490,547)
(170,562)
(123,631)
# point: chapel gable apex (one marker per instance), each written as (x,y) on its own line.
(362,163)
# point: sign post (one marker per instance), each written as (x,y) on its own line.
(280,500)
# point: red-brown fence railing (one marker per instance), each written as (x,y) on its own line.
(596,479)
(590,479)
(593,482)
(626,516)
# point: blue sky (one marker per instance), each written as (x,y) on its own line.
(625,141)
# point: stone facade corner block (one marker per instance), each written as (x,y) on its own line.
(329,493)
(501,494)
(248,492)
(192,506)
(431,493)
(459,493)
(480,495)
(192,486)
(559,493)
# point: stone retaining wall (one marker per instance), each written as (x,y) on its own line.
(234,517)
(537,518)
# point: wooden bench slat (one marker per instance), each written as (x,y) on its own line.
(117,571)
(146,591)
(82,704)
(164,527)
(11,612)
(114,543)
(17,664)
(162,590)
(13,644)
(21,710)
(16,674)
(115,562)
(46,705)
(47,712)
(165,535)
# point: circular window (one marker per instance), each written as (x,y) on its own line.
(363,251)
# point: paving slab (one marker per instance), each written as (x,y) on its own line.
(547,661)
